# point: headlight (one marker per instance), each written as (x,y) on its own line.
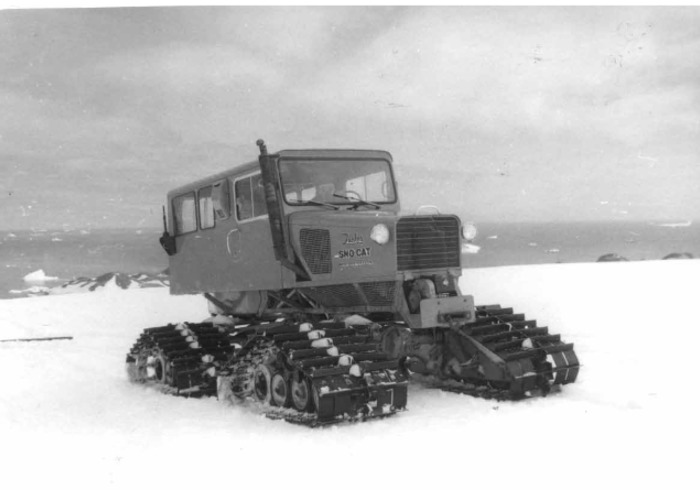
(468,231)
(380,234)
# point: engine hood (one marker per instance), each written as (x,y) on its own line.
(341,218)
(336,246)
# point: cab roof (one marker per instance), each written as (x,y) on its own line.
(252,166)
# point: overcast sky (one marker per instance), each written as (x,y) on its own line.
(494,113)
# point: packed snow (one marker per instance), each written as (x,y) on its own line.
(70,420)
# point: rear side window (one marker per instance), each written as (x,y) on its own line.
(250,198)
(206,208)
(184,211)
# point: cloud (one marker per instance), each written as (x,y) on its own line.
(189,69)
(559,102)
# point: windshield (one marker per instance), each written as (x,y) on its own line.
(337,182)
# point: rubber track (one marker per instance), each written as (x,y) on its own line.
(184,358)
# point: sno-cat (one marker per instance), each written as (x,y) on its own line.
(325,299)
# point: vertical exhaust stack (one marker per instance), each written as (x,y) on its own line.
(278,224)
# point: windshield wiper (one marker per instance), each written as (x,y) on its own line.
(322,204)
(359,201)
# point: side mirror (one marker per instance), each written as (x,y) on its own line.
(168,243)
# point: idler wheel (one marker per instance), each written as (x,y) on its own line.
(280,390)
(302,399)
(155,367)
(262,379)
(160,369)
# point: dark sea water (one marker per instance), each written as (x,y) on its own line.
(73,254)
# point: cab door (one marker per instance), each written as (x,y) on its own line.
(250,244)
(201,218)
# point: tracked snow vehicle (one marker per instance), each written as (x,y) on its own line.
(324,299)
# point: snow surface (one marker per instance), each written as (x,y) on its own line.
(69,420)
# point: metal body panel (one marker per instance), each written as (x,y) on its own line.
(232,256)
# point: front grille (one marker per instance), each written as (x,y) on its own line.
(379,293)
(427,242)
(316,249)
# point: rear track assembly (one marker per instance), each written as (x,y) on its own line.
(311,374)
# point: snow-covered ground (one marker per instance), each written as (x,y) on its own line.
(70,420)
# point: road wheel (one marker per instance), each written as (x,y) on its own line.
(262,379)
(302,399)
(280,390)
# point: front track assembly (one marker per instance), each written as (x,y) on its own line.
(504,356)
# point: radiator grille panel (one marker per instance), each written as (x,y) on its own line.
(379,293)
(316,249)
(427,242)
(369,294)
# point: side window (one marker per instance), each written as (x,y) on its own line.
(250,198)
(184,211)
(221,200)
(206,208)
(244,199)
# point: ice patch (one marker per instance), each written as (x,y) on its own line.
(322,343)
(220,319)
(315,334)
(469,248)
(32,290)
(686,223)
(38,276)
(356,319)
